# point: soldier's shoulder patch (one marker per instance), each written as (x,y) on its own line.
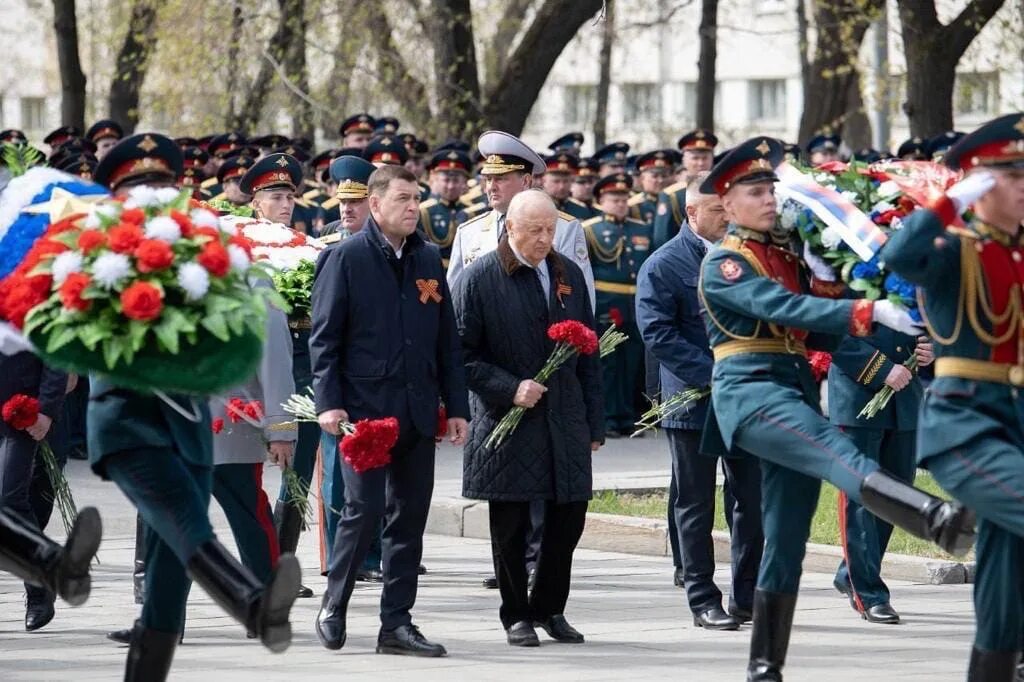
(672,189)
(662,208)
(635,221)
(428,203)
(312,194)
(589,222)
(330,203)
(474,220)
(568,217)
(730,269)
(331,238)
(577,202)
(637,199)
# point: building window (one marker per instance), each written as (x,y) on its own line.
(580,102)
(33,113)
(976,94)
(641,103)
(687,105)
(767,100)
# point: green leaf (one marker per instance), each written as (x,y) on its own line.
(111,352)
(92,333)
(137,334)
(217,326)
(860,285)
(167,334)
(68,239)
(62,338)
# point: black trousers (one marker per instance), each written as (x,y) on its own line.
(694,508)
(510,526)
(400,494)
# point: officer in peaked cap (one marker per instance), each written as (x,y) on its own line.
(191,179)
(583,182)
(350,175)
(142,159)
(55,138)
(356,130)
(940,144)
(13,136)
(82,165)
(271,182)
(792,152)
(187,141)
(72,147)
(302,141)
(417,162)
(228,177)
(194,157)
(557,182)
(386,125)
(269,143)
(611,158)
(570,143)
(386,150)
(104,133)
(457,145)
(656,171)
(698,149)
(823,149)
(318,188)
(441,213)
(221,146)
(914,149)
(867,155)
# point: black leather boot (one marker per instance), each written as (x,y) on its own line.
(36,559)
(773,621)
(289,522)
(260,609)
(139,569)
(950,525)
(150,655)
(39,609)
(992,666)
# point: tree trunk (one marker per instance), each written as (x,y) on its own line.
(706,64)
(296,72)
(251,111)
(455,66)
(509,101)
(604,79)
(933,51)
(840,26)
(132,64)
(394,74)
(856,126)
(232,70)
(72,79)
(803,31)
(509,25)
(346,54)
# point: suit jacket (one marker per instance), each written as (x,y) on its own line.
(384,342)
(241,442)
(25,373)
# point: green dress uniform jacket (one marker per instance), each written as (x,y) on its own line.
(670,213)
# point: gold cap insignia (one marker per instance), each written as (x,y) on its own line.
(763,147)
(281,161)
(147,144)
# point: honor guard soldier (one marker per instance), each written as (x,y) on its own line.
(269,143)
(321,188)
(386,125)
(74,147)
(356,131)
(698,149)
(582,189)
(56,138)
(508,168)
(220,149)
(557,182)
(192,176)
(618,246)
(760,321)
(82,165)
(792,152)
(611,159)
(416,163)
(971,433)
(304,213)
(441,214)
(13,136)
(570,143)
(914,149)
(228,175)
(940,144)
(104,134)
(823,149)
(655,170)
(386,150)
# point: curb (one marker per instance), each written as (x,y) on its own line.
(459,517)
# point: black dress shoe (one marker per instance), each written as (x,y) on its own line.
(407,640)
(881,613)
(491,583)
(742,615)
(330,627)
(677,578)
(38,608)
(522,634)
(305,592)
(120,636)
(558,629)
(369,575)
(716,618)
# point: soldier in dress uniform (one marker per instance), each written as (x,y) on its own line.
(583,181)
(104,134)
(618,246)
(192,176)
(611,158)
(792,152)
(557,182)
(971,433)
(655,171)
(227,178)
(441,214)
(319,188)
(82,165)
(823,148)
(305,212)
(159,453)
(269,143)
(913,149)
(570,143)
(13,136)
(417,162)
(760,321)
(386,150)
(220,148)
(356,130)
(59,136)
(697,148)
(941,143)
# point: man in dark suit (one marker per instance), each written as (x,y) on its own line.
(668,313)
(384,344)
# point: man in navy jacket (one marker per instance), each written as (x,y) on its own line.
(668,313)
(384,344)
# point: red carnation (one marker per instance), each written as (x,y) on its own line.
(298,240)
(71,291)
(20,294)
(576,334)
(236,408)
(153,254)
(253,410)
(133,216)
(442,422)
(90,240)
(208,232)
(21,411)
(214,257)
(142,301)
(242,242)
(217,425)
(125,238)
(369,445)
(820,362)
(184,223)
(615,315)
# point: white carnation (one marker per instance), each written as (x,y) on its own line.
(268,233)
(789,213)
(851,197)
(882,207)
(896,224)
(98,214)
(239,258)
(166,195)
(141,197)
(110,268)
(194,279)
(888,189)
(203,218)
(830,238)
(163,227)
(65,264)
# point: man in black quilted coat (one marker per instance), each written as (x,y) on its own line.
(504,304)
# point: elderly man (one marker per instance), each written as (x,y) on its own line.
(384,344)
(548,457)
(668,313)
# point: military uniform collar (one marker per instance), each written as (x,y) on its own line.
(997,235)
(747,233)
(609,218)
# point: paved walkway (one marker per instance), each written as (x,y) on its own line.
(636,623)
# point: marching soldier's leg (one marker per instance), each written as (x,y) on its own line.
(789,499)
(998,604)
(35,558)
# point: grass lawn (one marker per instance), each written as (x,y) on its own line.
(824,529)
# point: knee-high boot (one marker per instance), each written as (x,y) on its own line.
(773,621)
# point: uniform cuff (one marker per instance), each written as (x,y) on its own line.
(862,317)
(945,209)
(820,287)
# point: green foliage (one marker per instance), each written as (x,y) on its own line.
(295,287)
(20,157)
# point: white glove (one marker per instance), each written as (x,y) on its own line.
(12,340)
(895,317)
(970,189)
(819,266)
